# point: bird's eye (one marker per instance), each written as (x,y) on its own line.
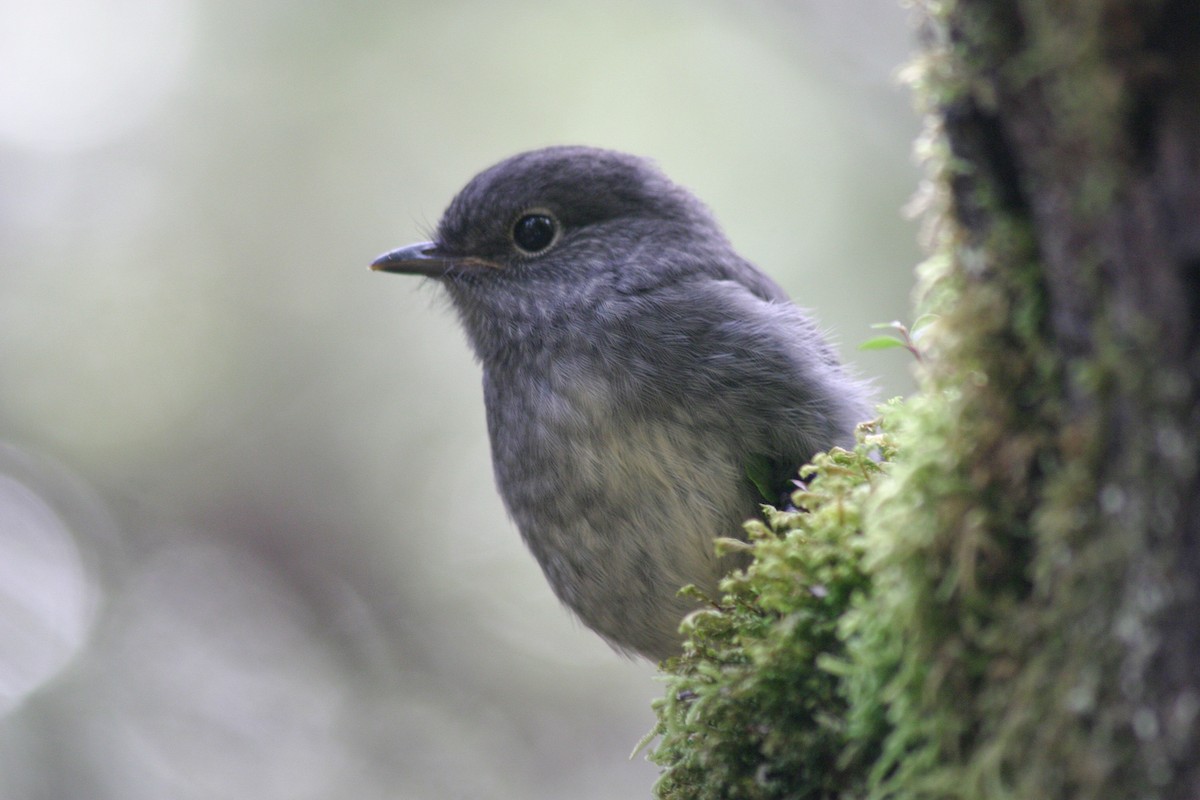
(533,233)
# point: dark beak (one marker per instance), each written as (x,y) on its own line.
(423,258)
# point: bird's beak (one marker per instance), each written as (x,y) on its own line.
(423,258)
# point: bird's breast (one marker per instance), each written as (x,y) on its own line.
(620,503)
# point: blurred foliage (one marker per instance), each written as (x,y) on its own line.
(249,542)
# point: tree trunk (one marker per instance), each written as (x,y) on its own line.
(1064,565)
(1013,609)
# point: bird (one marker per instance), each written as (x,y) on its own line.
(645,386)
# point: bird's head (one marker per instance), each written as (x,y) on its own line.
(550,231)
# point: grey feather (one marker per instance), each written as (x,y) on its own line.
(632,370)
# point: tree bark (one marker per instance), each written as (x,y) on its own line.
(1016,597)
(1071,219)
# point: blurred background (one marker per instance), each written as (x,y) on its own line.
(249,541)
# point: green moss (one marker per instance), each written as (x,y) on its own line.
(974,617)
(754,707)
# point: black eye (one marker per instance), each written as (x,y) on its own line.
(533,233)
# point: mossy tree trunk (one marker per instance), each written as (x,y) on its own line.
(1008,604)
(1050,601)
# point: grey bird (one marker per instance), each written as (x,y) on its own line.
(644,383)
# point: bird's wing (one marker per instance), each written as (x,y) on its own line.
(757,369)
(755,280)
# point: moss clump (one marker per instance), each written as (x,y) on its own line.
(755,706)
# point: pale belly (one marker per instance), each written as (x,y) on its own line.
(621,512)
